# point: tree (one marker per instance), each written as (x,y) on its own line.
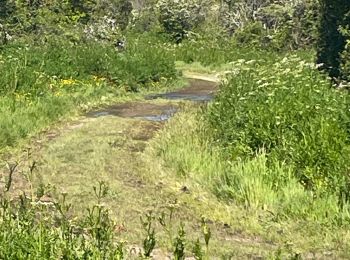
(118,10)
(331,42)
(6,9)
(180,17)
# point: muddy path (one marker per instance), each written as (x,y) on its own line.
(108,145)
(197,90)
(148,116)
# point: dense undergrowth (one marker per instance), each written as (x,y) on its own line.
(290,111)
(41,84)
(34,228)
(274,139)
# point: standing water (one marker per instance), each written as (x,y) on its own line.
(198,90)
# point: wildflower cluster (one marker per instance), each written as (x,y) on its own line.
(288,109)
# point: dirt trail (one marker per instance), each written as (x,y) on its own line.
(107,145)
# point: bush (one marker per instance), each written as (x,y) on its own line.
(31,69)
(331,42)
(41,84)
(345,55)
(145,20)
(287,109)
(269,24)
(180,17)
(253,34)
(216,51)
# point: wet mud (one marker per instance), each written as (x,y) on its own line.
(198,90)
(148,111)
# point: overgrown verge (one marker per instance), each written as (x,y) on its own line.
(40,84)
(290,112)
(289,217)
(274,141)
(39,226)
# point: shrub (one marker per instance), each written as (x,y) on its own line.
(216,51)
(271,24)
(180,17)
(145,20)
(31,69)
(331,42)
(345,55)
(41,84)
(253,34)
(289,110)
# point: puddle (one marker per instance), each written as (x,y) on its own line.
(198,90)
(102,113)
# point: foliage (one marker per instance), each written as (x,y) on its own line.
(281,25)
(180,17)
(30,70)
(32,229)
(47,82)
(118,10)
(145,20)
(258,186)
(331,42)
(43,227)
(179,244)
(288,110)
(216,51)
(253,34)
(69,18)
(345,55)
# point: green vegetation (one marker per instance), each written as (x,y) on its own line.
(332,42)
(289,111)
(287,116)
(52,80)
(32,228)
(266,164)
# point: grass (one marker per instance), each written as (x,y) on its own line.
(291,115)
(40,86)
(257,209)
(263,167)
(86,154)
(273,144)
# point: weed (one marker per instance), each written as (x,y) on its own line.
(149,242)
(166,221)
(207,235)
(293,115)
(252,186)
(179,244)
(11,168)
(197,250)
(40,85)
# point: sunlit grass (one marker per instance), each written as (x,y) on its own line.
(245,187)
(41,85)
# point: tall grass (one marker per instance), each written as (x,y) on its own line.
(275,138)
(291,111)
(40,84)
(215,52)
(42,227)
(253,182)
